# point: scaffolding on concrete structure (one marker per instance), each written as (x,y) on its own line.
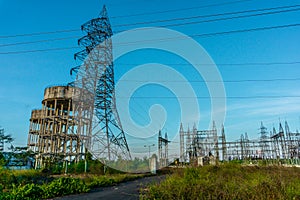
(55,134)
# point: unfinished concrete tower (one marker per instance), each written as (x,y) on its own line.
(55,133)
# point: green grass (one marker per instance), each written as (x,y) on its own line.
(10,178)
(228,181)
(32,184)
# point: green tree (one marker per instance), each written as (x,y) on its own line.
(4,139)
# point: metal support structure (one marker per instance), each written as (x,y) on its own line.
(264,144)
(182,152)
(202,143)
(188,144)
(282,141)
(163,150)
(96,74)
(206,142)
(149,149)
(292,144)
(224,149)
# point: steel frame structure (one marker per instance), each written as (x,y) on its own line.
(96,74)
(198,143)
(269,146)
(163,149)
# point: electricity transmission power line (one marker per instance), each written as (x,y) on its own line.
(164,39)
(224,64)
(208,97)
(39,50)
(173,19)
(123,16)
(220,14)
(179,10)
(180,24)
(212,34)
(229,18)
(39,33)
(224,81)
(39,41)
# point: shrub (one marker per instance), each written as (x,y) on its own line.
(28,191)
(64,186)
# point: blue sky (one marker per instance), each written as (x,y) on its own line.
(25,75)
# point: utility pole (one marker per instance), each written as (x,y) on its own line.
(149,146)
(149,159)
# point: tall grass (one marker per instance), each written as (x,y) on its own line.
(9,178)
(229,181)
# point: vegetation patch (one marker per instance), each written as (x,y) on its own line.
(33,184)
(228,181)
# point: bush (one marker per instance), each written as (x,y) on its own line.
(7,178)
(101,182)
(28,191)
(64,186)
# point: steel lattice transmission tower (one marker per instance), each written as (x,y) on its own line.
(96,75)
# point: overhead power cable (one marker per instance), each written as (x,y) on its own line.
(39,33)
(123,16)
(179,10)
(180,24)
(151,22)
(165,39)
(207,97)
(39,50)
(39,41)
(212,34)
(230,18)
(212,81)
(220,64)
(215,15)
